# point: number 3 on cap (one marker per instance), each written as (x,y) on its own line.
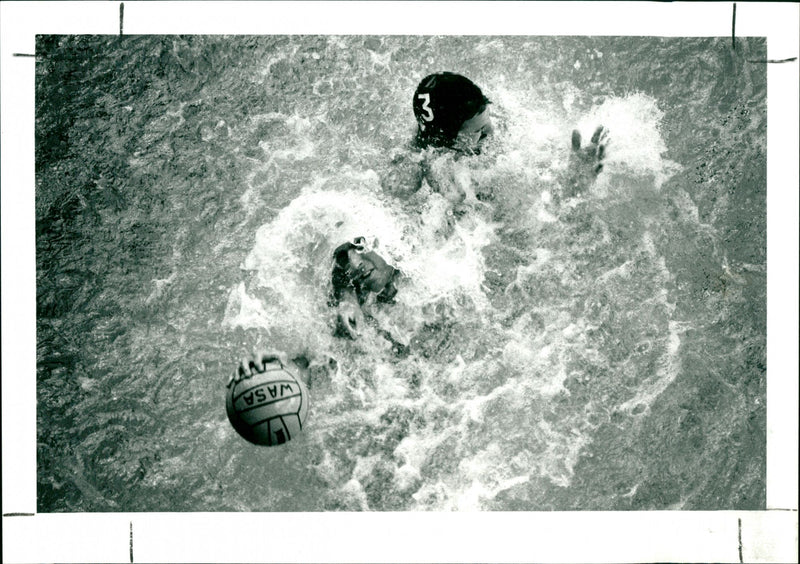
(426,101)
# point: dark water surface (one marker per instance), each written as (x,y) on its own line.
(605,353)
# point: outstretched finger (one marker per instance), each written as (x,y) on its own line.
(576,140)
(243,370)
(255,367)
(265,357)
(597,134)
(605,138)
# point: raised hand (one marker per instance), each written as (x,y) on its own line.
(595,152)
(349,319)
(257,364)
(585,162)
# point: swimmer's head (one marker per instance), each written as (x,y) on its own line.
(451,111)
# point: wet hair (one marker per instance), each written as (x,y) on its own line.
(442,102)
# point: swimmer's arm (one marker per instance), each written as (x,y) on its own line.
(341,287)
(349,317)
(443,178)
(404,176)
(430,177)
(368,305)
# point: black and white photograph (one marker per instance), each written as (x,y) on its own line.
(418,273)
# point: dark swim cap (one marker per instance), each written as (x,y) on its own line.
(442,102)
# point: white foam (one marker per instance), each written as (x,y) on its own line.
(407,477)
(667,371)
(244,311)
(292,255)
(636,145)
(354,496)
(441,258)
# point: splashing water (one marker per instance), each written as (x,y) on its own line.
(488,425)
(545,346)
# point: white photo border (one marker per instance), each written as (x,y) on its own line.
(749,536)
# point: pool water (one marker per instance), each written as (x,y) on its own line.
(601,352)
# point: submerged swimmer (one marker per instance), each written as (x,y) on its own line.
(453,116)
(360,278)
